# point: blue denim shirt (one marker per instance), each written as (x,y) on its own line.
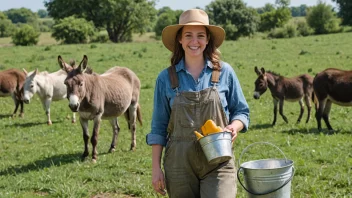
(229,88)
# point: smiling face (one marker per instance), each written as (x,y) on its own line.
(194,40)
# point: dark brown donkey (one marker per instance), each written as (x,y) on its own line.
(331,86)
(104,96)
(11,84)
(294,89)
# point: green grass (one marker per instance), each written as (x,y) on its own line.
(37,160)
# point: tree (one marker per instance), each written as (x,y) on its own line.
(322,19)
(120,18)
(42,13)
(21,15)
(268,7)
(165,19)
(274,19)
(25,35)
(6,27)
(345,11)
(73,30)
(282,3)
(233,15)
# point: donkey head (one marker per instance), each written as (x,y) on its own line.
(30,85)
(75,82)
(261,84)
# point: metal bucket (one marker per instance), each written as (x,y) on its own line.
(267,177)
(217,147)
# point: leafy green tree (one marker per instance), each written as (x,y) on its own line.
(274,19)
(282,3)
(42,13)
(73,30)
(268,7)
(21,15)
(233,15)
(322,19)
(345,11)
(6,27)
(165,19)
(120,18)
(25,35)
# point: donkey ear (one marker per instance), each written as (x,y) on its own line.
(36,71)
(263,70)
(257,70)
(83,65)
(25,71)
(63,65)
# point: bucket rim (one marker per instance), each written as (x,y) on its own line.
(290,163)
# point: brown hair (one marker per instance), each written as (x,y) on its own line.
(210,52)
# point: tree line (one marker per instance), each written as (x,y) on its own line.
(82,21)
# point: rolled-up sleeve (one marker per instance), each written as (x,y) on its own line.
(161,113)
(238,106)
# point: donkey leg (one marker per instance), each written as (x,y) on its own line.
(301,104)
(115,132)
(94,138)
(73,117)
(132,110)
(281,110)
(84,125)
(21,111)
(326,114)
(319,113)
(15,100)
(309,106)
(46,104)
(275,111)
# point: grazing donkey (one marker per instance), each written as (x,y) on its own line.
(294,89)
(48,86)
(11,84)
(104,96)
(331,86)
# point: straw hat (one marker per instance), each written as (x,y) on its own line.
(192,17)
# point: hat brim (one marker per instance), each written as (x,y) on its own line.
(169,34)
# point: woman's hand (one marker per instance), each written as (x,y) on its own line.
(158,181)
(234,127)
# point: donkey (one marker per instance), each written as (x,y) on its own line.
(11,84)
(104,96)
(48,86)
(331,86)
(294,89)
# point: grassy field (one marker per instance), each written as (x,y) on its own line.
(37,160)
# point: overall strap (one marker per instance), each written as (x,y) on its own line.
(215,75)
(173,76)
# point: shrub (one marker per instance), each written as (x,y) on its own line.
(303,28)
(25,35)
(99,38)
(73,30)
(6,27)
(322,19)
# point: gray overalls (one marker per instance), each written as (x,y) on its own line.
(187,172)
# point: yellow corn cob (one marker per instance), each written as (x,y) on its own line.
(210,127)
(199,135)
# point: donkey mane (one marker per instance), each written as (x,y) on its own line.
(274,73)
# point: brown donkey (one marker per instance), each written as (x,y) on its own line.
(294,89)
(332,86)
(104,96)
(11,84)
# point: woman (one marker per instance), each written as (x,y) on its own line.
(196,87)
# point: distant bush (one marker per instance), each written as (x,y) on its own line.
(303,28)
(25,35)
(288,31)
(322,19)
(46,25)
(73,30)
(99,38)
(6,27)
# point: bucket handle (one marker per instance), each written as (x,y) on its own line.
(244,150)
(253,193)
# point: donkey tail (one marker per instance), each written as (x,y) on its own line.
(315,100)
(139,115)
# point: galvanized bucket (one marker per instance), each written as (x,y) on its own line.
(267,177)
(217,147)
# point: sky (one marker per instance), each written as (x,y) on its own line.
(35,5)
